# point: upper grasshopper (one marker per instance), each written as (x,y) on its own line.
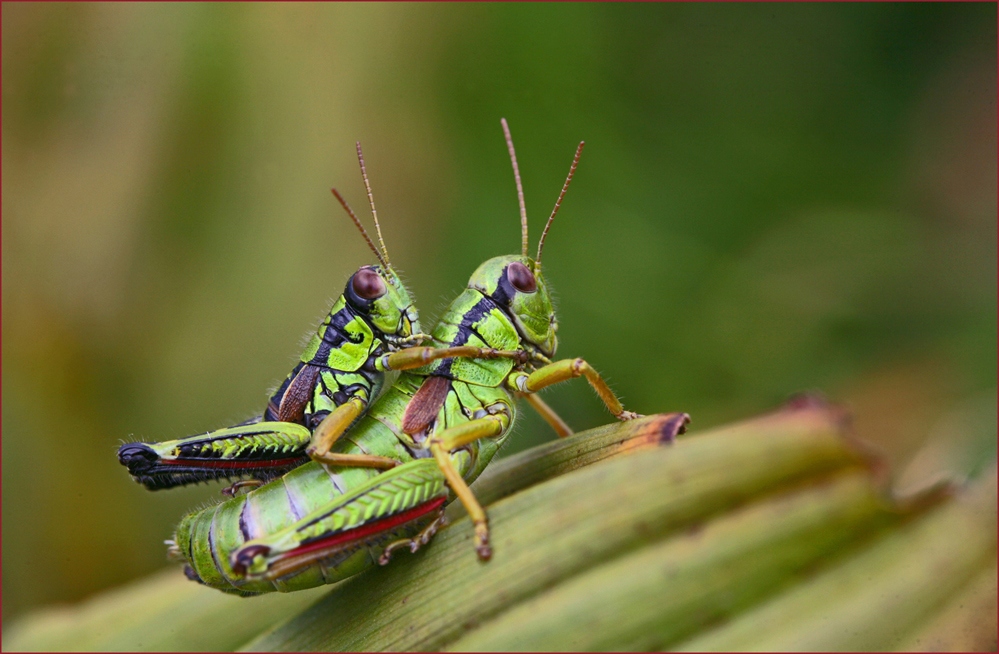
(435,429)
(340,372)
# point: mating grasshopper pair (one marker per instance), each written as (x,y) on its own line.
(381,471)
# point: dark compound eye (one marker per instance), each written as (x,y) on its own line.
(521,277)
(368,284)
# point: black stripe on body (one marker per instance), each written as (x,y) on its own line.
(505,291)
(244,528)
(466,329)
(339,320)
(332,335)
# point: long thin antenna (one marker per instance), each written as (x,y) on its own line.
(357,222)
(520,187)
(558,203)
(371,201)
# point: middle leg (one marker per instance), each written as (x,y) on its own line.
(332,428)
(548,414)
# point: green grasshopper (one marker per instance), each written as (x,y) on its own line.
(435,429)
(342,370)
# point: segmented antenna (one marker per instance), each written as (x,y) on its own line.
(520,187)
(558,203)
(357,222)
(371,201)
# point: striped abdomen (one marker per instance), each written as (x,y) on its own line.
(206,538)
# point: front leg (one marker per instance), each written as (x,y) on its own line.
(565,370)
(417,357)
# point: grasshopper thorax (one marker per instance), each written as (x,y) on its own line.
(515,283)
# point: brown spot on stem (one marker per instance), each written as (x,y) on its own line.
(673,425)
(806,400)
(817,401)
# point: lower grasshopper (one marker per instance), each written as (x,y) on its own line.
(436,429)
(339,374)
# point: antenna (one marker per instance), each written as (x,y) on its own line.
(357,222)
(520,187)
(558,203)
(371,201)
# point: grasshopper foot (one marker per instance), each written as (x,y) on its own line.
(230,491)
(414,543)
(628,415)
(482,547)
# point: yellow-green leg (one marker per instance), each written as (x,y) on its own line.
(417,357)
(332,428)
(453,438)
(565,370)
(548,414)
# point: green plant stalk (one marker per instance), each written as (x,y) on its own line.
(966,624)
(538,464)
(164,612)
(876,598)
(674,588)
(554,530)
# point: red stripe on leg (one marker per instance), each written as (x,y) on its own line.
(370,529)
(231,464)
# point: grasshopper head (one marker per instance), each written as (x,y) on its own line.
(376,291)
(515,283)
(378,294)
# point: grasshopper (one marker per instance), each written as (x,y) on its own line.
(431,434)
(364,335)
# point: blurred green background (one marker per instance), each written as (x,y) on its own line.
(772,198)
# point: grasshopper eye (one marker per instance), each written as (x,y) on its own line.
(521,277)
(368,284)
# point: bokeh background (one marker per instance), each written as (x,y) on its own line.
(773,198)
